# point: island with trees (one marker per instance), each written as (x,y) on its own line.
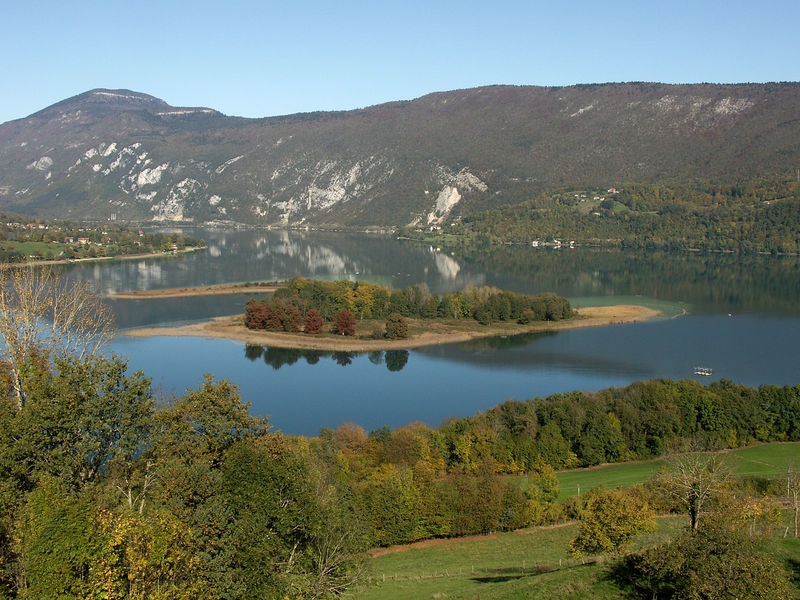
(305,305)
(358,316)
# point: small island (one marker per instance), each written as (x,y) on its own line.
(233,328)
(361,317)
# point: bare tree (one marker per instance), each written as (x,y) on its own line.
(793,491)
(693,480)
(43,316)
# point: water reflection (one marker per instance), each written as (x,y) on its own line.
(240,256)
(305,390)
(394,360)
(712,284)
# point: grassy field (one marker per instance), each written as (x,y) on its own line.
(766,460)
(40,249)
(530,563)
(533,563)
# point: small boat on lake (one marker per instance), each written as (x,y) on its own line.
(703,371)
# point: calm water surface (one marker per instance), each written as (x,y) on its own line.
(738,316)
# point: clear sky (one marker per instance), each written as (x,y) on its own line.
(264,58)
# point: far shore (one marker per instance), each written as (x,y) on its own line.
(431,333)
(69,261)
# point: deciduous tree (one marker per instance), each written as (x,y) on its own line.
(715,562)
(43,316)
(344,323)
(396,327)
(314,322)
(693,480)
(80,420)
(793,491)
(611,519)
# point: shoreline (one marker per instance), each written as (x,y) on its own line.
(203,290)
(437,332)
(69,261)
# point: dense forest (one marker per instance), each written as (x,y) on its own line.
(754,216)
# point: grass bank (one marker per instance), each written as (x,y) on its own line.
(764,460)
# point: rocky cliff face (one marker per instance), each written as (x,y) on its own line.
(117,154)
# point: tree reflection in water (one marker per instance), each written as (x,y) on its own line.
(395,360)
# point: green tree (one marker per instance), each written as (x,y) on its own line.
(54,532)
(610,520)
(289,535)
(793,491)
(191,445)
(203,423)
(543,482)
(552,446)
(715,562)
(80,421)
(396,327)
(43,317)
(390,498)
(476,499)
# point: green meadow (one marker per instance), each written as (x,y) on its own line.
(534,563)
(530,563)
(766,460)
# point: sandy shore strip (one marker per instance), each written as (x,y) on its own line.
(437,332)
(203,290)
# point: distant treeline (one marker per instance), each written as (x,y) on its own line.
(751,217)
(24,239)
(290,305)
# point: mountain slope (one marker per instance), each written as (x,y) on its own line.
(126,155)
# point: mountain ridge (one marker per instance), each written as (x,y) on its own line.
(125,155)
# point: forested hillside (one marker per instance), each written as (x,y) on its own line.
(762,216)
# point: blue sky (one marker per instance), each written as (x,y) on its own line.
(264,58)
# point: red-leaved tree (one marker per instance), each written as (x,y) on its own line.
(344,323)
(314,322)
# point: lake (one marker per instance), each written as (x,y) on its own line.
(737,315)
